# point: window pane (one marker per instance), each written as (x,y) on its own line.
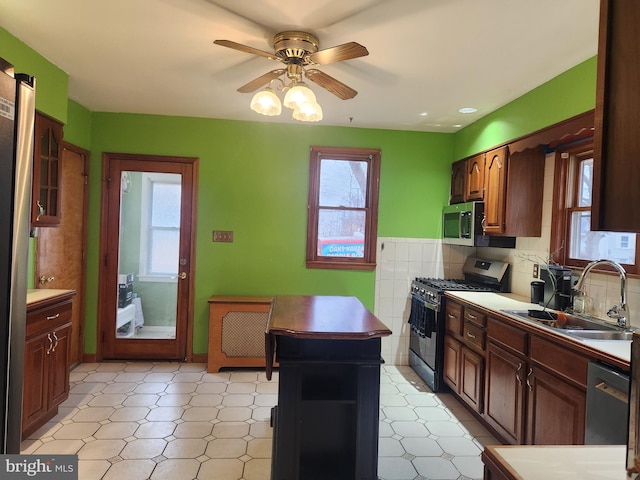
(343,183)
(585,183)
(588,245)
(165,209)
(163,255)
(341,233)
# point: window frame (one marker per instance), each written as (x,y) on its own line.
(372,157)
(565,193)
(146,204)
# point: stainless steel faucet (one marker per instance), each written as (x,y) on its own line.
(618,312)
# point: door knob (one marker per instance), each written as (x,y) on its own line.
(182,275)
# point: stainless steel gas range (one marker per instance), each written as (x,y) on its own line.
(427,321)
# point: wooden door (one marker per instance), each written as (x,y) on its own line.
(452,351)
(475,178)
(556,410)
(504,393)
(616,140)
(471,378)
(59,366)
(163,299)
(458,182)
(61,251)
(36,362)
(495,189)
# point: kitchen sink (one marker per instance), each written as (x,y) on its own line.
(563,321)
(600,334)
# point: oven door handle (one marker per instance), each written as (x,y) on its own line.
(429,305)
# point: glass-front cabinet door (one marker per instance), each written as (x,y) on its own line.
(45,208)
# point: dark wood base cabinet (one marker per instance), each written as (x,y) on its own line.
(46,361)
(527,388)
(326,421)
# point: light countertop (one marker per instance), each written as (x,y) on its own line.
(508,301)
(40,294)
(562,462)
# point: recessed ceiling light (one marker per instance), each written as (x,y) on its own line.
(424,114)
(457,125)
(468,110)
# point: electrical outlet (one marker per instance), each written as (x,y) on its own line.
(223,236)
(536,270)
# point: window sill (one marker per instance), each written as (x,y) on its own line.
(337,265)
(158,278)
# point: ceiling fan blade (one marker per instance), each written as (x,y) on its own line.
(246,49)
(329,83)
(339,53)
(261,80)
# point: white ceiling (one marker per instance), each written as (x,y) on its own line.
(425,56)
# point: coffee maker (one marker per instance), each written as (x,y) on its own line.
(557,287)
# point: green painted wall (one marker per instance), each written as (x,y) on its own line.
(253,179)
(569,94)
(51,81)
(78,128)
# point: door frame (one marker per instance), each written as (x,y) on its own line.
(106,295)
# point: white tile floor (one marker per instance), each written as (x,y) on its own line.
(139,421)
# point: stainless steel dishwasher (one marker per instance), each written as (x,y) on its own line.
(607,419)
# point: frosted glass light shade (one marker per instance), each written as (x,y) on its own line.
(299,94)
(266,102)
(308,112)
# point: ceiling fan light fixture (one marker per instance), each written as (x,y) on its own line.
(266,102)
(308,112)
(299,94)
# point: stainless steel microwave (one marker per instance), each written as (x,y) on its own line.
(462,225)
(461,222)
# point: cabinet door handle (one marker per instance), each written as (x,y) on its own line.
(518,373)
(50,343)
(55,337)
(53,317)
(471,335)
(471,316)
(528,377)
(451,316)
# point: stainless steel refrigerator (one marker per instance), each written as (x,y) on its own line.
(17,112)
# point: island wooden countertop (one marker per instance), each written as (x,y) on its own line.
(321,318)
(324,317)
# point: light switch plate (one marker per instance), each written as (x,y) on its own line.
(223,236)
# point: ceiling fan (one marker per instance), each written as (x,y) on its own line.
(298,50)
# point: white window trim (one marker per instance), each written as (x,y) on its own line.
(145,218)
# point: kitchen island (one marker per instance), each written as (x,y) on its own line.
(326,421)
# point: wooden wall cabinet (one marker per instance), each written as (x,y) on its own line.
(616,139)
(475,173)
(510,185)
(514,185)
(458,182)
(47,150)
(46,368)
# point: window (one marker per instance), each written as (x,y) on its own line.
(573,241)
(160,226)
(343,208)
